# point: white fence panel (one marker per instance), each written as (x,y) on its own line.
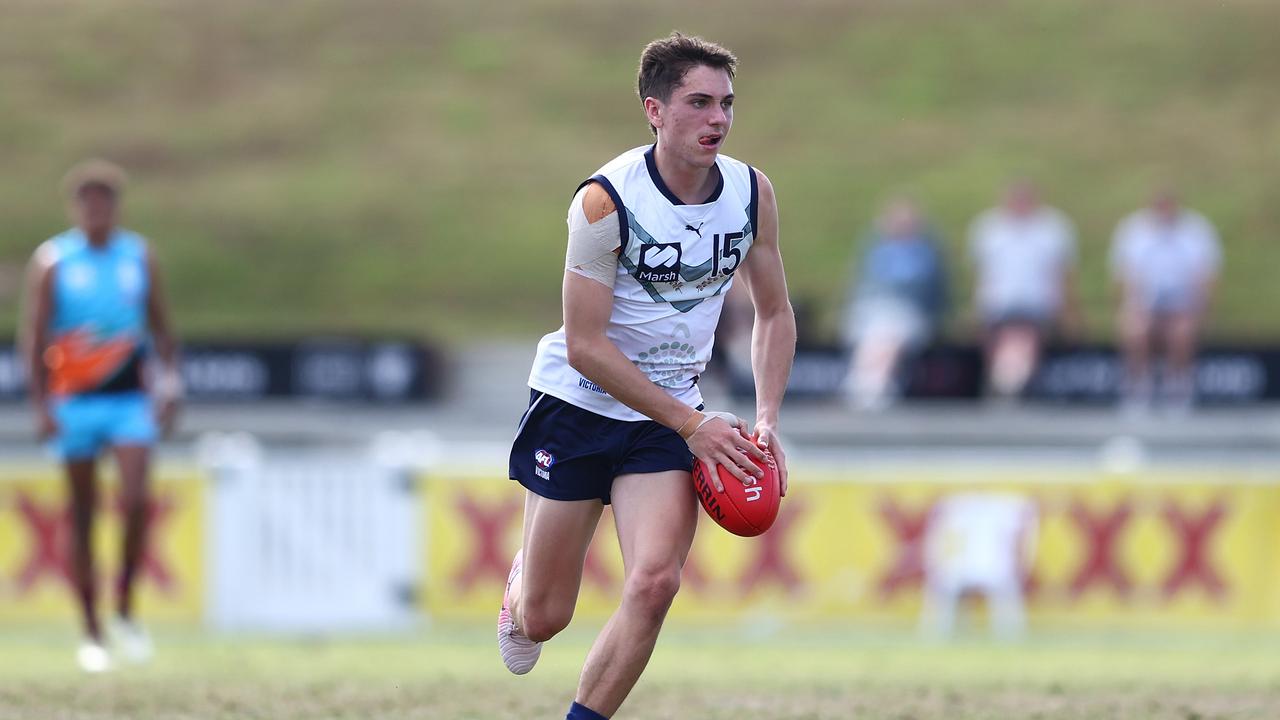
(312,541)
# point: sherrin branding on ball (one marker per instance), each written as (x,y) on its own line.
(744,508)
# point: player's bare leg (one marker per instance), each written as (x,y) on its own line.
(134,463)
(84,498)
(1181,331)
(875,361)
(656,515)
(544,592)
(1135,343)
(557,535)
(1014,356)
(91,655)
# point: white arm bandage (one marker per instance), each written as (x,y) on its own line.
(592,246)
(733,420)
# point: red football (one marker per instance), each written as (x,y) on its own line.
(743,509)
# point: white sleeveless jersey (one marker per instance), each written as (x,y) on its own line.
(676,264)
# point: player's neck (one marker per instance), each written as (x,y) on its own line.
(97,237)
(692,184)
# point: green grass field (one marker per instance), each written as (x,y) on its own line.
(455,674)
(388,166)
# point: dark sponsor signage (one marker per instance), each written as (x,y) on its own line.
(320,369)
(1087,374)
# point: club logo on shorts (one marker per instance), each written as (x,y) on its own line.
(543,461)
(659,263)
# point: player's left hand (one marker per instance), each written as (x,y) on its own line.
(766,436)
(167,416)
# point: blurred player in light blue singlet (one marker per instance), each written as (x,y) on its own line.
(94,314)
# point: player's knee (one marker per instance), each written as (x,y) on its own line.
(1182,333)
(652,590)
(1133,334)
(1134,327)
(133,503)
(541,621)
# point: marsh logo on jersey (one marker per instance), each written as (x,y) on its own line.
(659,263)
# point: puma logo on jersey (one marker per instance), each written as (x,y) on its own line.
(659,263)
(696,230)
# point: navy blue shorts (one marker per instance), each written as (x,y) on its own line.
(563,452)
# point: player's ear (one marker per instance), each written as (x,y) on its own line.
(653,111)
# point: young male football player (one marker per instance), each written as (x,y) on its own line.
(93,312)
(656,238)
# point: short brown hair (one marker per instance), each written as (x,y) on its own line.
(95,171)
(665,61)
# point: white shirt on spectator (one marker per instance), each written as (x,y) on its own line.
(1020,262)
(1165,264)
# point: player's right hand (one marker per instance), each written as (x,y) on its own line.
(166,415)
(717,442)
(46,426)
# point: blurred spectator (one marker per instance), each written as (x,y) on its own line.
(896,305)
(1024,255)
(1165,261)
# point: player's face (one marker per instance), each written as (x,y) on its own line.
(95,209)
(901,221)
(1165,204)
(696,121)
(1021,199)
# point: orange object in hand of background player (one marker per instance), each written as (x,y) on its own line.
(743,508)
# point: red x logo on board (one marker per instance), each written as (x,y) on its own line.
(47,531)
(1100,533)
(488,523)
(1193,566)
(693,576)
(908,528)
(594,570)
(771,563)
(50,532)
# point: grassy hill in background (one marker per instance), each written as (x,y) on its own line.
(403,167)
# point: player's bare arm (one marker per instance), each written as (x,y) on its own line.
(37,307)
(1205,290)
(773,339)
(588,304)
(169,386)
